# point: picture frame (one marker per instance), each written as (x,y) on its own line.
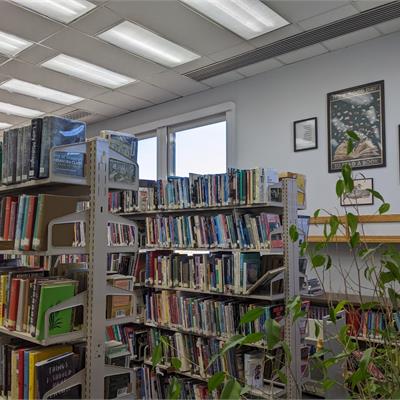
(360,196)
(305,134)
(360,109)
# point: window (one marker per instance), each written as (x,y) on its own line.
(198,147)
(147,158)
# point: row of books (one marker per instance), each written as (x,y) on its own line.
(28,372)
(25,219)
(236,187)
(205,316)
(222,272)
(195,353)
(26,295)
(121,235)
(122,263)
(244,231)
(26,150)
(122,201)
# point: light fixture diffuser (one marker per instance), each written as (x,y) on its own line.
(246,18)
(39,92)
(86,71)
(4,125)
(11,45)
(61,10)
(147,44)
(12,109)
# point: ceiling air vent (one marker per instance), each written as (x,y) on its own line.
(338,28)
(78,115)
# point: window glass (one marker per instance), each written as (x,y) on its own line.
(147,158)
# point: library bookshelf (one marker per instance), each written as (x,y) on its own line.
(94,186)
(291,277)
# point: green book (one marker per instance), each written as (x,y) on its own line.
(50,295)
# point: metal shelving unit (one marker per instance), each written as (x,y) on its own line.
(96,185)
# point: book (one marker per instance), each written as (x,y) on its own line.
(50,294)
(122,172)
(68,163)
(53,371)
(119,306)
(18,167)
(57,131)
(254,369)
(35,147)
(124,144)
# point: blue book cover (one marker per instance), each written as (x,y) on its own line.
(26,374)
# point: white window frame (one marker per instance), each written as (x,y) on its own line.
(160,127)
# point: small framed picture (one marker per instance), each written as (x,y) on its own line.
(305,134)
(360,196)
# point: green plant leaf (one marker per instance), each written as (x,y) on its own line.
(252,315)
(231,390)
(216,380)
(317,329)
(340,306)
(245,389)
(332,315)
(282,376)
(339,188)
(394,297)
(287,351)
(334,225)
(352,135)
(253,338)
(352,221)
(377,195)
(347,179)
(318,260)
(176,363)
(294,235)
(327,383)
(369,305)
(317,212)
(350,146)
(303,248)
(157,355)
(365,253)
(174,389)
(354,240)
(384,208)
(273,333)
(328,262)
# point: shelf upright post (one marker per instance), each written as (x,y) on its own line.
(96,232)
(292,287)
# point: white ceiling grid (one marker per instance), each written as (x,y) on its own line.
(155,83)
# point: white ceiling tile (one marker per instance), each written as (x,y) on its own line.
(297,10)
(26,24)
(51,79)
(100,108)
(96,21)
(27,101)
(173,82)
(77,44)
(222,79)
(148,92)
(3,59)
(12,119)
(232,51)
(36,54)
(351,38)
(260,67)
(302,54)
(192,65)
(329,17)
(117,99)
(62,110)
(364,5)
(176,22)
(276,35)
(389,26)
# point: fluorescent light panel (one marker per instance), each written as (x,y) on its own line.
(147,44)
(246,18)
(39,92)
(11,45)
(86,71)
(4,125)
(61,10)
(12,109)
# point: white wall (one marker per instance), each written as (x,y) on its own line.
(267,105)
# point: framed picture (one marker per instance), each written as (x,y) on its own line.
(360,195)
(360,109)
(305,134)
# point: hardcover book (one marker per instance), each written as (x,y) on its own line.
(122,172)
(68,163)
(122,143)
(52,372)
(36,141)
(57,131)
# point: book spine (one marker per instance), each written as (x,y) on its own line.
(36,245)
(21,305)
(13,217)
(4,170)
(7,217)
(26,154)
(18,167)
(34,307)
(30,221)
(13,308)
(18,227)
(35,148)
(12,150)
(45,148)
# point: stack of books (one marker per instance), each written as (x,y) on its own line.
(26,150)
(246,231)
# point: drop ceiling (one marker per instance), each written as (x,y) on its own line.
(155,83)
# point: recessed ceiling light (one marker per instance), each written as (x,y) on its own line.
(88,72)
(4,125)
(246,18)
(12,109)
(39,92)
(60,10)
(147,44)
(11,45)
